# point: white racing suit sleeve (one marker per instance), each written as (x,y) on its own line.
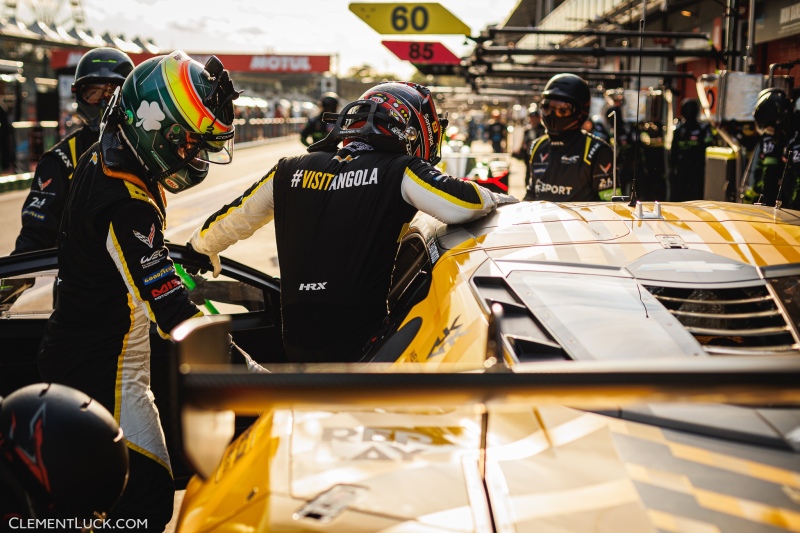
(236,221)
(448,199)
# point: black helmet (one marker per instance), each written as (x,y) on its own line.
(329,102)
(100,66)
(64,449)
(772,111)
(690,108)
(394,116)
(566,88)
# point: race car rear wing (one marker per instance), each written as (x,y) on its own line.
(206,381)
(210,391)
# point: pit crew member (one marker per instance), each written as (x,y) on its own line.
(568,164)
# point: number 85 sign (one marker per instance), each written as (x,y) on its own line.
(422,53)
(394,19)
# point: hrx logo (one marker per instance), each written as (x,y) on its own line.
(312,286)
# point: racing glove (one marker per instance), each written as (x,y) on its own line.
(214,258)
(500,199)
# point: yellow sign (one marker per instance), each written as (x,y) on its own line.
(393,19)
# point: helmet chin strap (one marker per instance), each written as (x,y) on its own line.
(179,166)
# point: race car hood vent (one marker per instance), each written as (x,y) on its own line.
(725,304)
(729,321)
(667,303)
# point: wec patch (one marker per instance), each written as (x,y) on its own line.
(152,259)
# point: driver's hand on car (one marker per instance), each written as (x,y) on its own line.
(11,289)
(501,199)
(214,258)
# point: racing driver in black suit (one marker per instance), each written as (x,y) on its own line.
(340,212)
(568,164)
(115,271)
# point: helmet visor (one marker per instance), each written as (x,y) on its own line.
(95,93)
(558,108)
(207,148)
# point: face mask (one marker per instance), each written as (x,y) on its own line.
(559,116)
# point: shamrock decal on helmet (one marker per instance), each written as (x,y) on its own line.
(150,116)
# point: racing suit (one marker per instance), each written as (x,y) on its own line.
(316,129)
(769,169)
(629,160)
(688,160)
(791,174)
(41,212)
(338,220)
(115,278)
(572,167)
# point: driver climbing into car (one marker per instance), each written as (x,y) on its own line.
(340,212)
(568,164)
(97,74)
(116,274)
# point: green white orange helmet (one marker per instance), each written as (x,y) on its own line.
(177,115)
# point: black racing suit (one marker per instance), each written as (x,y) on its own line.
(316,129)
(338,220)
(115,278)
(791,161)
(572,167)
(769,169)
(687,159)
(41,212)
(629,155)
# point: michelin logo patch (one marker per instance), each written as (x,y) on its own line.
(155,276)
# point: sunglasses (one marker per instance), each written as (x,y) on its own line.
(560,109)
(94,94)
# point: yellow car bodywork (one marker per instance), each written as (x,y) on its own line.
(546,468)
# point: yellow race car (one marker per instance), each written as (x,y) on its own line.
(552,367)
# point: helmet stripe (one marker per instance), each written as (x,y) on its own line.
(177,76)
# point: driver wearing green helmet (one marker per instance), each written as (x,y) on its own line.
(116,274)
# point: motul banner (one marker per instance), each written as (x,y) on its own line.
(267,63)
